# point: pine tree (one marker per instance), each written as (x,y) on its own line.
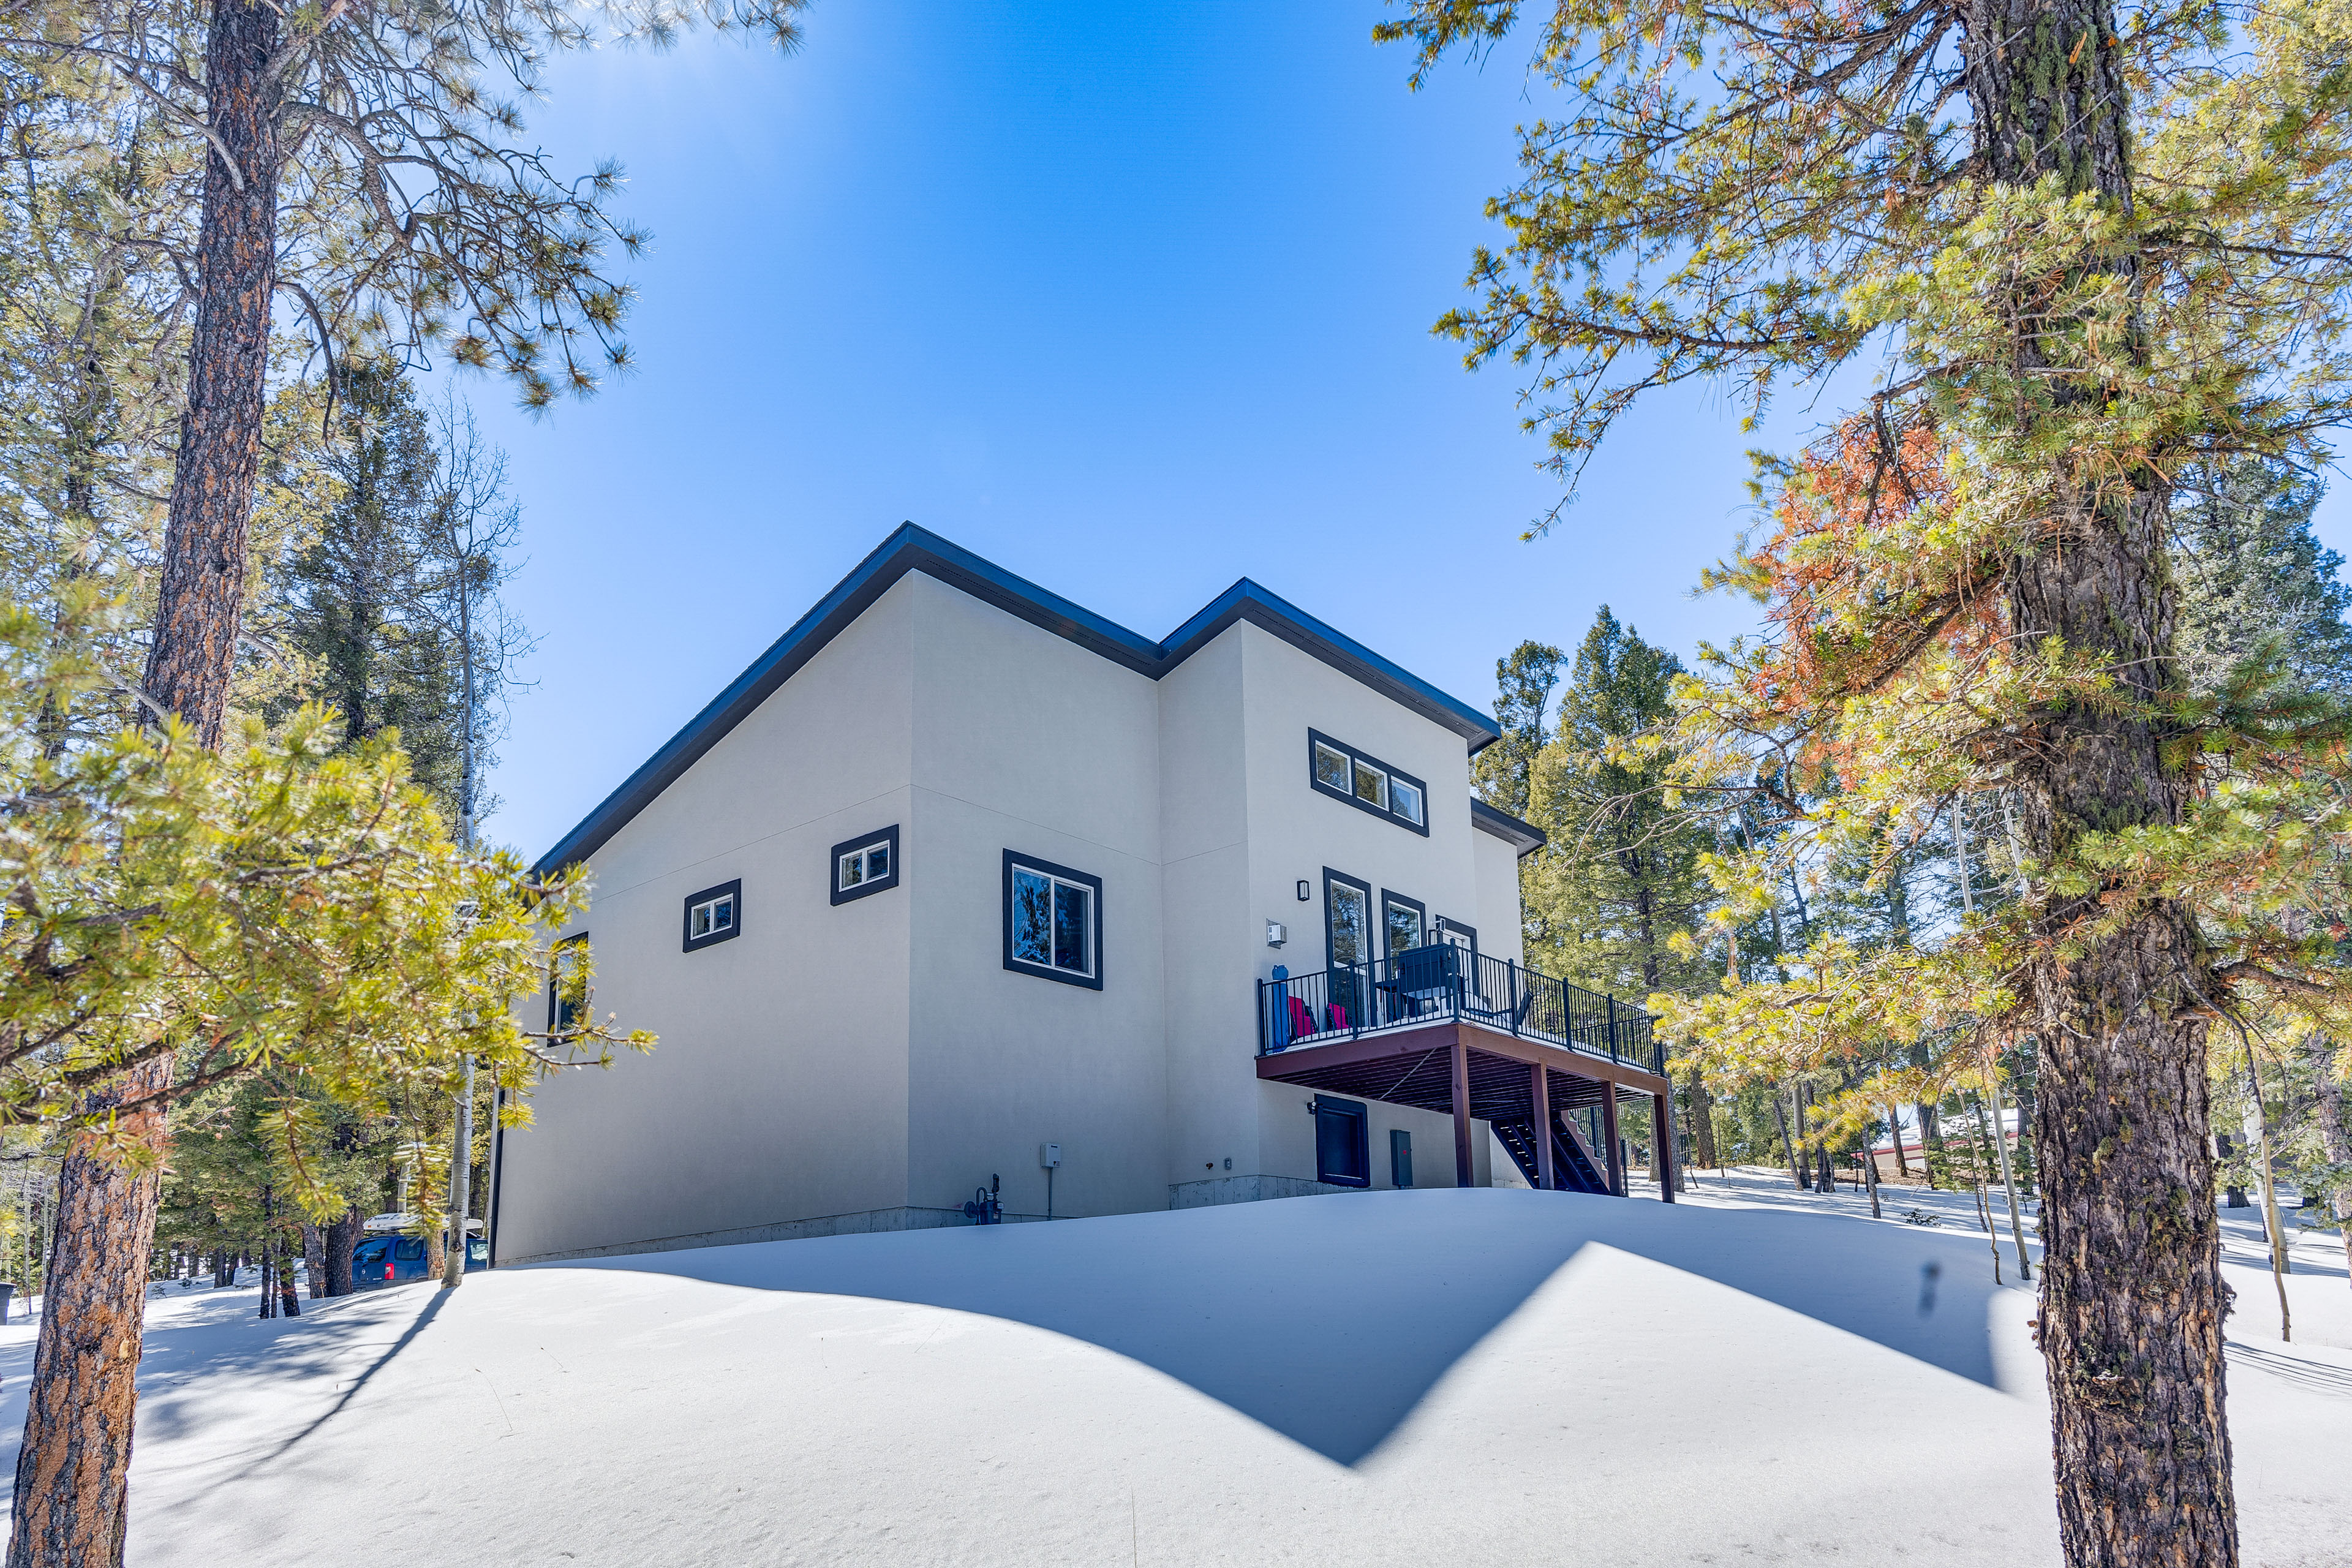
(1523,684)
(2082,254)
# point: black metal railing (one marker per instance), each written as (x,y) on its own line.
(1444,982)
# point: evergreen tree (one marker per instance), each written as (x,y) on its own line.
(1621,878)
(2251,571)
(353,594)
(1524,684)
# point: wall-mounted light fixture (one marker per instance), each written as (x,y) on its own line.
(1303,894)
(1276,933)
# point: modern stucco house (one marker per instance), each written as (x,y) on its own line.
(960,879)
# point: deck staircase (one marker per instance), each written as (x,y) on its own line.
(1578,1170)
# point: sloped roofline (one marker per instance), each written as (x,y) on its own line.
(913,549)
(1524,837)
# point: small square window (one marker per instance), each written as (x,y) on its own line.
(714,915)
(1372,786)
(1405,800)
(1053,922)
(863,865)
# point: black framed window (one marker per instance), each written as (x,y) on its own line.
(867,863)
(1404,922)
(562,1011)
(1347,936)
(1364,782)
(1399,1157)
(714,915)
(1342,1143)
(1053,922)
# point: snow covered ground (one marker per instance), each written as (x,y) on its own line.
(1758,1376)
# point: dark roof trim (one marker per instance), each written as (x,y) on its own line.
(913,549)
(1524,837)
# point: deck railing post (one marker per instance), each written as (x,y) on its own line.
(1261,1018)
(1613,1029)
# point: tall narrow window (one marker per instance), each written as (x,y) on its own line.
(567,996)
(714,915)
(1348,914)
(1404,922)
(1053,922)
(866,865)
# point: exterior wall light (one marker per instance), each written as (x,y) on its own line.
(1303,894)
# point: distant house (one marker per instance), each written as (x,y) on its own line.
(962,886)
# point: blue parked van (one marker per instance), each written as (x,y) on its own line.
(382,1260)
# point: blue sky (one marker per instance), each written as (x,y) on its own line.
(1134,301)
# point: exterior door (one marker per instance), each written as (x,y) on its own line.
(1347,937)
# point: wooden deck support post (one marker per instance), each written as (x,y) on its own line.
(1662,1144)
(1539,1090)
(1616,1149)
(1462,1165)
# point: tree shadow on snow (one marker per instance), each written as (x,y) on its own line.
(1328,1319)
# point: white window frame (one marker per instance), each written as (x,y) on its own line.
(709,899)
(861,847)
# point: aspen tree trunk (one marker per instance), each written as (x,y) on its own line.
(2132,1298)
(2335,1140)
(73,1467)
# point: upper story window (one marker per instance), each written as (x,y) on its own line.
(1366,782)
(1053,922)
(866,865)
(565,1006)
(714,914)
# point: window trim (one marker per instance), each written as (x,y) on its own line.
(1316,738)
(1093,982)
(1390,896)
(693,944)
(841,895)
(1331,959)
(1357,1112)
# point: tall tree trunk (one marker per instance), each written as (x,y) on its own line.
(73,1469)
(342,1237)
(1781,1115)
(201,601)
(1702,1117)
(2132,1298)
(1894,1133)
(314,1258)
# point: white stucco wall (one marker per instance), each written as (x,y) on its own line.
(1024,741)
(871,1063)
(779,1087)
